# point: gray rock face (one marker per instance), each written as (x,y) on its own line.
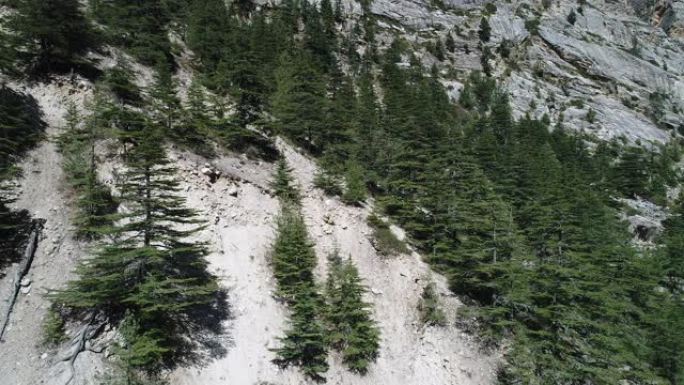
(617,72)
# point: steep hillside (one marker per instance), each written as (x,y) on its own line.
(247,192)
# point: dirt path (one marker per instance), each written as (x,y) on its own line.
(42,191)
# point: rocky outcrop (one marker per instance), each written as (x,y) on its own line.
(612,74)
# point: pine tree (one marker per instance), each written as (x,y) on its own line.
(52,35)
(293,255)
(191,125)
(283,183)
(430,310)
(450,43)
(209,33)
(327,182)
(149,273)
(293,261)
(299,101)
(304,343)
(138,26)
(351,329)
(630,174)
(77,145)
(319,36)
(165,105)
(485,30)
(119,80)
(355,188)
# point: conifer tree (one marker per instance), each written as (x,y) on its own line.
(119,80)
(293,261)
(304,343)
(283,183)
(77,144)
(166,107)
(430,311)
(52,35)
(293,255)
(450,43)
(351,329)
(299,101)
(138,26)
(209,32)
(630,174)
(485,30)
(355,188)
(149,274)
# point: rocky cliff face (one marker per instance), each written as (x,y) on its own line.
(616,72)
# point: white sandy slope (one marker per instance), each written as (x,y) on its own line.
(410,353)
(240,235)
(43,192)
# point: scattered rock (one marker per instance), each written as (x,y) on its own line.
(26,281)
(233,191)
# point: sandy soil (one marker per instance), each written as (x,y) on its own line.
(42,191)
(410,353)
(241,213)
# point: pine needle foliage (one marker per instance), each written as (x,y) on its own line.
(150,275)
(52,36)
(293,261)
(351,329)
(283,184)
(304,344)
(293,257)
(77,145)
(431,312)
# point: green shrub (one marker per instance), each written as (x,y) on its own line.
(532,26)
(385,242)
(430,310)
(53,328)
(328,183)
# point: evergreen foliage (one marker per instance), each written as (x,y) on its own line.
(355,189)
(283,184)
(520,219)
(149,279)
(384,240)
(351,329)
(77,145)
(304,343)
(299,102)
(51,35)
(293,255)
(138,26)
(53,328)
(485,30)
(328,183)
(293,261)
(119,81)
(431,313)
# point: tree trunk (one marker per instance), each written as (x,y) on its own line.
(36,227)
